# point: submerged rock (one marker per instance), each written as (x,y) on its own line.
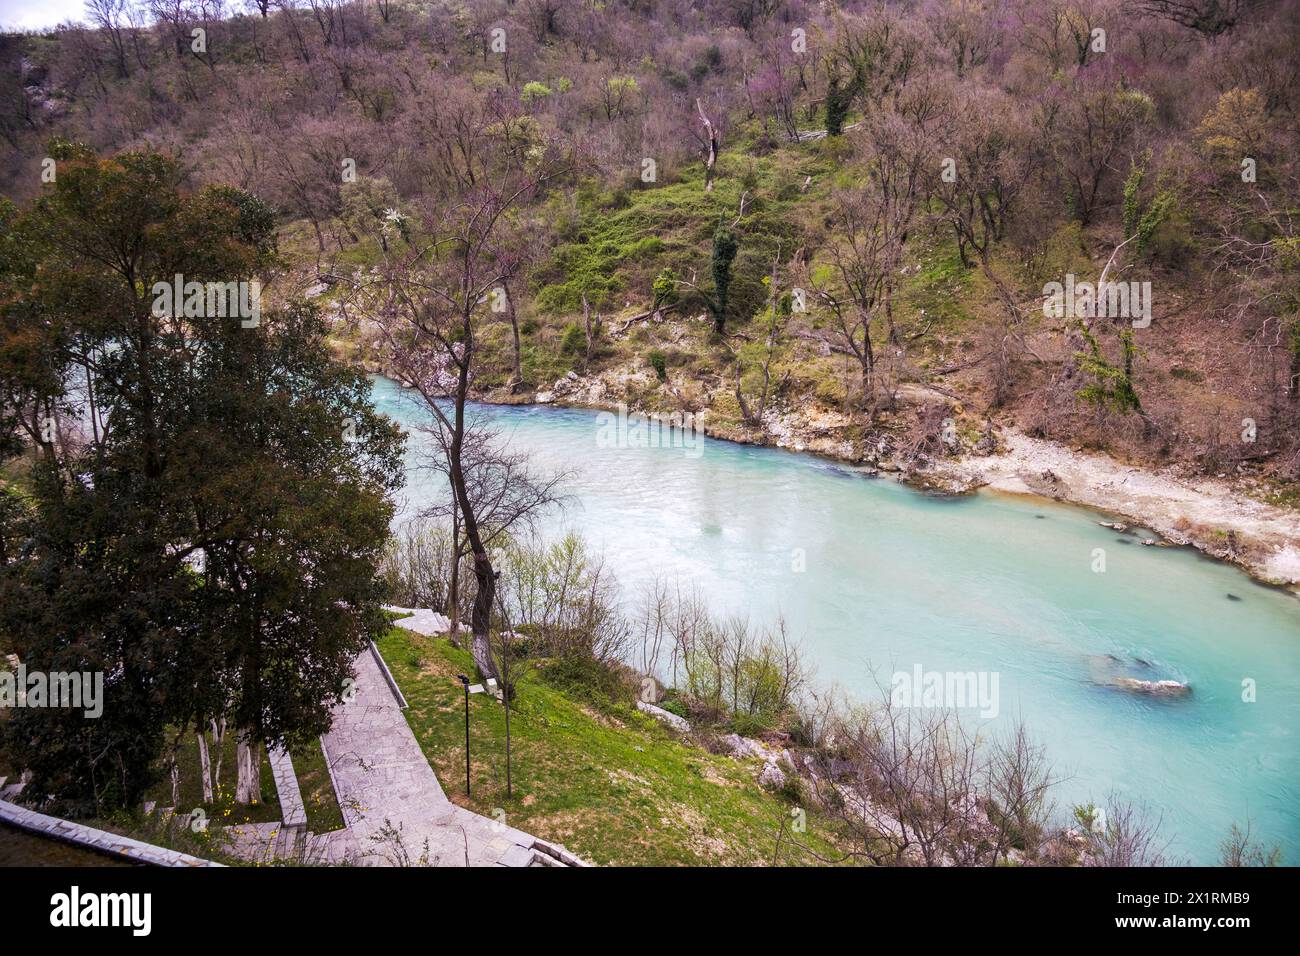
(1158,688)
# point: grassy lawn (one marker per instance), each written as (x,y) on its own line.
(318,797)
(222,811)
(612,785)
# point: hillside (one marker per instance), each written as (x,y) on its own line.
(922,294)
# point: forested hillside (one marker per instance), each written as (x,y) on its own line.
(829,224)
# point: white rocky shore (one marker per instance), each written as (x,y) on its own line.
(1208,514)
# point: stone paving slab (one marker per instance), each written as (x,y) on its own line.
(394,808)
(422,620)
(292,810)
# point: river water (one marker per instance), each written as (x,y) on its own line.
(893,579)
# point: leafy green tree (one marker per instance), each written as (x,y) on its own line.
(725,246)
(1112,383)
(204,532)
(839,99)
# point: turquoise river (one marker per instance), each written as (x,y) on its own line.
(893,579)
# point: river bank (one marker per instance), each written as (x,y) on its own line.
(1213,515)
(1208,514)
(873,578)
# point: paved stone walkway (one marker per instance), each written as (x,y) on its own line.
(422,620)
(395,811)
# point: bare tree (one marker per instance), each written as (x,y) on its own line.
(108,15)
(507,496)
(989,169)
(711,141)
(917,786)
(1239,849)
(1121,835)
(774,320)
(428,307)
(872,221)
(1210,17)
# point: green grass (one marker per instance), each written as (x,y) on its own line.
(941,289)
(222,810)
(609,783)
(623,237)
(318,797)
(1284,494)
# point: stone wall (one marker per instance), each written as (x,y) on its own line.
(112,844)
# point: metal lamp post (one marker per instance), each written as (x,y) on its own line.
(465,682)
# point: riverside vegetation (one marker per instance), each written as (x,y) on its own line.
(772,769)
(827,225)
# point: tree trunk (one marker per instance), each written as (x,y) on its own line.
(712,158)
(248,760)
(205,766)
(218,738)
(453,588)
(592,327)
(485,578)
(518,379)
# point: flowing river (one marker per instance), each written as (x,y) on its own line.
(893,579)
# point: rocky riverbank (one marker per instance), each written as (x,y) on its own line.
(1210,514)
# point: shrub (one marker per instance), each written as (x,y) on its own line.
(674,706)
(564,598)
(416,567)
(665,288)
(603,684)
(793,789)
(574,339)
(534,90)
(659,362)
(749,725)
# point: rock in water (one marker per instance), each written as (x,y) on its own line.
(1158,688)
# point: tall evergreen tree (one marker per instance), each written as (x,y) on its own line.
(208,493)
